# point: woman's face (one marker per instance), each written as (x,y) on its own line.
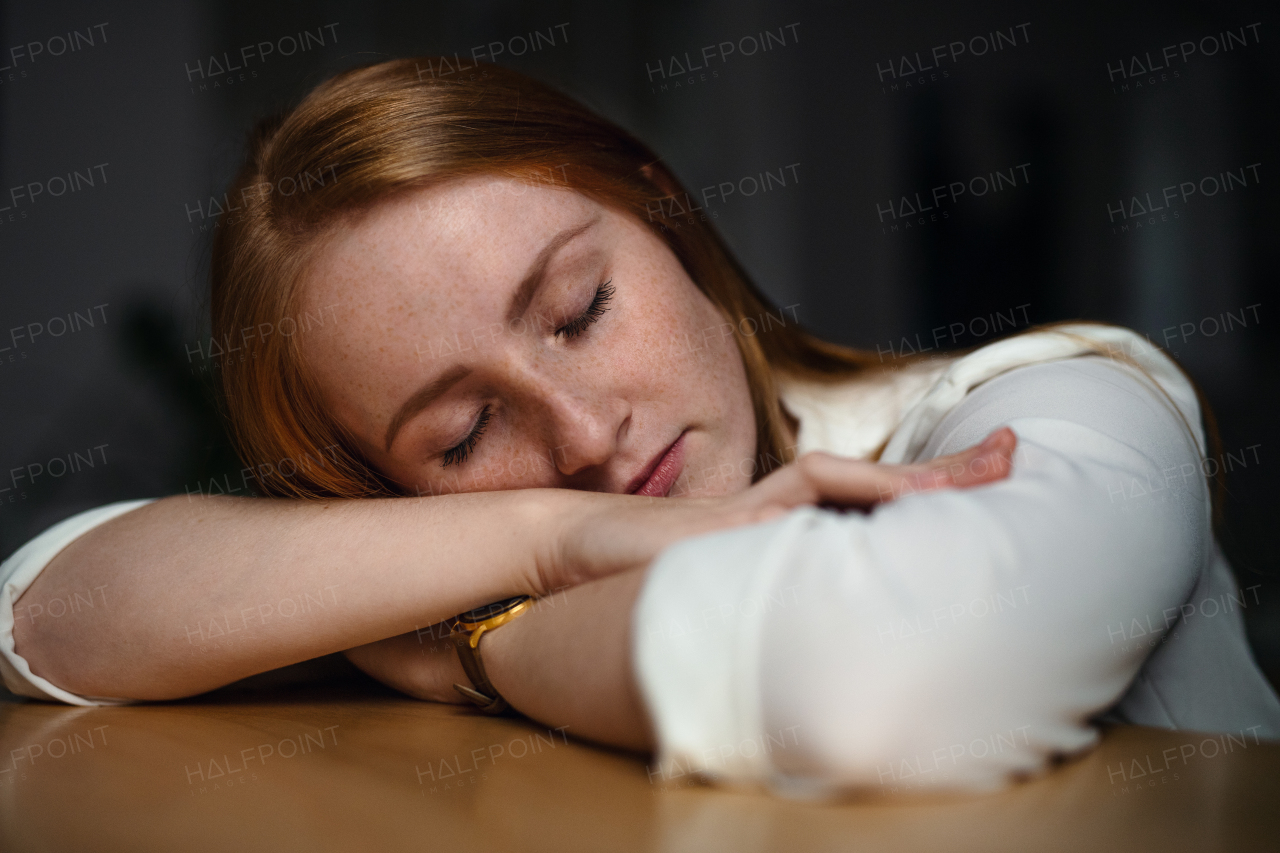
(495,335)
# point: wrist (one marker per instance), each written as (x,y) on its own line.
(556,521)
(421,664)
(501,545)
(467,633)
(570,665)
(542,517)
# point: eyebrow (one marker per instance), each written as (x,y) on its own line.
(423,397)
(533,279)
(538,269)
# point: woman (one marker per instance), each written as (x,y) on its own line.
(521,340)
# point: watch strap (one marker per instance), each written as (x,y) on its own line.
(482,693)
(467,631)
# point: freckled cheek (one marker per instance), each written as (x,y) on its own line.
(705,357)
(522,469)
(662,327)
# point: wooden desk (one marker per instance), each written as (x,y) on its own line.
(349,767)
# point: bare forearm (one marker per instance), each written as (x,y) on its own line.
(571,665)
(196,594)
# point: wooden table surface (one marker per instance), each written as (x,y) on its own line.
(350,767)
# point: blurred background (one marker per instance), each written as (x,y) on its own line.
(950,172)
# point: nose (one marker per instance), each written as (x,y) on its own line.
(584,432)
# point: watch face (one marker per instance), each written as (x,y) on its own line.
(489,611)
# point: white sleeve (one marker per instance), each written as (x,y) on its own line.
(954,638)
(18,572)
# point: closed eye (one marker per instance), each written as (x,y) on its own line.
(599,305)
(458,454)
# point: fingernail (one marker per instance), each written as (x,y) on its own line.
(990,441)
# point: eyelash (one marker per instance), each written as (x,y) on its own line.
(599,305)
(458,454)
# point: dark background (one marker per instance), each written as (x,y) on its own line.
(135,385)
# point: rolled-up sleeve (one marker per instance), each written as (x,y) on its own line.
(18,572)
(955,638)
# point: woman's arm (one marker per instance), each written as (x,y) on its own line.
(952,639)
(568,660)
(572,664)
(189,595)
(958,638)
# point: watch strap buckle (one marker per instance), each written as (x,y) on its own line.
(486,704)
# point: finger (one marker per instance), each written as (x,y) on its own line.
(846,482)
(987,462)
(822,478)
(980,463)
(826,479)
(1003,440)
(983,463)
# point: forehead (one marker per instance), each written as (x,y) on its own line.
(433,244)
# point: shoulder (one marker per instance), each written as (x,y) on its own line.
(1095,392)
(854,416)
(1016,371)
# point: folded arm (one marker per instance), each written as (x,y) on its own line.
(180,596)
(954,638)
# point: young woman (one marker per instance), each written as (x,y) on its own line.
(468,343)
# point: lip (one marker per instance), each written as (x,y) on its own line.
(660,474)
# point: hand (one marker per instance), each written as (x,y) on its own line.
(630,532)
(822,478)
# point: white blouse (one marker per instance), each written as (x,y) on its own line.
(962,638)
(953,638)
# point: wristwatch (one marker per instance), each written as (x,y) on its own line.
(465,631)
